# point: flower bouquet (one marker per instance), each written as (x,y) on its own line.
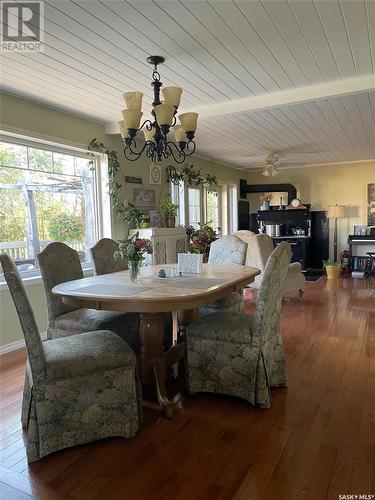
(201,239)
(132,250)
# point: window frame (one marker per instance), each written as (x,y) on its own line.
(228,215)
(219,207)
(101,198)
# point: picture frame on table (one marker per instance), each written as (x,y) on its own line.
(155,218)
(360,230)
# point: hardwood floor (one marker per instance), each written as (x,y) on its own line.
(317,441)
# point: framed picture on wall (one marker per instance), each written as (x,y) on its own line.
(371,204)
(155,174)
(144,198)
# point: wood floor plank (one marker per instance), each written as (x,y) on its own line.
(317,440)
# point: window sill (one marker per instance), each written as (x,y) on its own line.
(37,279)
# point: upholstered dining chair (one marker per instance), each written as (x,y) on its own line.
(241,355)
(79,388)
(59,263)
(227,250)
(103,257)
(260,247)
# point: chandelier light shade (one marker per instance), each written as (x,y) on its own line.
(179,133)
(133,100)
(172,96)
(123,130)
(189,121)
(149,134)
(164,114)
(132,118)
(157,145)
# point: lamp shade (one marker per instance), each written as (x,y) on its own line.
(189,121)
(133,100)
(164,114)
(172,95)
(123,130)
(132,118)
(149,134)
(336,212)
(179,133)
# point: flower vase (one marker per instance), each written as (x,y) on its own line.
(134,270)
(265,205)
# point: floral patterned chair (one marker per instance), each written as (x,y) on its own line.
(59,263)
(227,250)
(240,355)
(103,257)
(78,388)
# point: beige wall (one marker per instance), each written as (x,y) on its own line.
(34,120)
(321,186)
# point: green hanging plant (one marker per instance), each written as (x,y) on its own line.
(114,169)
(191,177)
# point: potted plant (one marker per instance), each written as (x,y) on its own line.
(201,239)
(333,269)
(170,213)
(145,224)
(265,199)
(133,216)
(132,250)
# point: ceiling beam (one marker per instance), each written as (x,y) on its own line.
(291,96)
(279,99)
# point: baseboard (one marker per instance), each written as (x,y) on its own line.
(18,344)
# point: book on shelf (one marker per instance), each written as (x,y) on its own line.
(363,264)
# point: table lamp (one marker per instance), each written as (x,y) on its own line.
(335,212)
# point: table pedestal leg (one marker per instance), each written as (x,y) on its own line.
(152,357)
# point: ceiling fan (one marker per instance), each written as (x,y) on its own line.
(272,163)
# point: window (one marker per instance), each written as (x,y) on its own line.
(46,195)
(178,198)
(233,217)
(213,209)
(194,206)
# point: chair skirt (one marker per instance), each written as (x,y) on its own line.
(69,412)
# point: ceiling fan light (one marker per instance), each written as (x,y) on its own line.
(123,131)
(149,134)
(132,118)
(274,170)
(172,96)
(179,133)
(189,121)
(266,172)
(133,100)
(164,114)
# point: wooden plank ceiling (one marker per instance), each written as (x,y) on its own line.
(219,52)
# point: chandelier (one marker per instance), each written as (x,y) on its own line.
(157,146)
(271,165)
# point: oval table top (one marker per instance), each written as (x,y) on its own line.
(116,292)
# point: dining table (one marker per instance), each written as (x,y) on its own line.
(151,296)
